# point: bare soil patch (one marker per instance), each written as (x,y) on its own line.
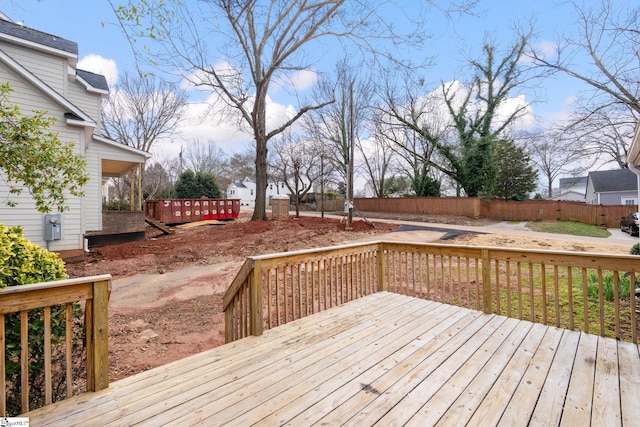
(167,290)
(166,302)
(557,244)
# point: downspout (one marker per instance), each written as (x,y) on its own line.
(636,170)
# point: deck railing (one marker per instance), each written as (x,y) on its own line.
(580,291)
(66,314)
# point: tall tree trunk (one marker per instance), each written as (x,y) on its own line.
(260,210)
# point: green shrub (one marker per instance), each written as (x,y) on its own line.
(624,287)
(635,249)
(21,263)
(115,205)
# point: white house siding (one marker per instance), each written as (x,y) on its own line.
(50,69)
(89,103)
(28,99)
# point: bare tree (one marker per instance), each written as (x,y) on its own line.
(156,182)
(143,109)
(259,42)
(378,157)
(240,166)
(296,163)
(607,39)
(555,152)
(207,157)
(414,126)
(605,132)
(342,124)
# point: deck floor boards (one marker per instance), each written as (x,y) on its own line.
(385,359)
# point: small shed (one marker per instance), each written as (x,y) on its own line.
(280,207)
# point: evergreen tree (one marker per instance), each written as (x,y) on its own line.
(515,175)
(196,185)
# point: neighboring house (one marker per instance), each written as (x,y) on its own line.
(246,191)
(613,187)
(572,189)
(243,190)
(42,71)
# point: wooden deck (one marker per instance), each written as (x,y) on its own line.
(385,359)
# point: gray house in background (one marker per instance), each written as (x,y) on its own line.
(613,187)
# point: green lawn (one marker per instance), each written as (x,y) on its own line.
(568,227)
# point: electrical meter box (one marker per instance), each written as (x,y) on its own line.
(52,227)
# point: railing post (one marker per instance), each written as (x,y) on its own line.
(486,281)
(255,299)
(382,283)
(100,332)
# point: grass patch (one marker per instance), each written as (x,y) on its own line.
(568,227)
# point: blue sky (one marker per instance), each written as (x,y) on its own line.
(103,48)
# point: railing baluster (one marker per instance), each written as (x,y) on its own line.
(634,321)
(531,295)
(69,349)
(478,293)
(3,385)
(48,387)
(600,302)
(519,272)
(556,294)
(570,296)
(508,285)
(616,299)
(269,298)
(543,279)
(498,302)
(585,300)
(24,360)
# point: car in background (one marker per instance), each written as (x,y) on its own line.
(630,223)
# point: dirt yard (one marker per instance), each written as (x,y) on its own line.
(178,311)
(167,293)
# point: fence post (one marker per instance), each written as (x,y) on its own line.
(382,283)
(255,299)
(100,332)
(486,281)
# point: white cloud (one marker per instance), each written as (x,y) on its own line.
(294,82)
(303,79)
(99,65)
(222,125)
(544,49)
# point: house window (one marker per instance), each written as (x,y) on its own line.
(629,201)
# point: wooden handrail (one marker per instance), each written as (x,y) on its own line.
(523,283)
(95,292)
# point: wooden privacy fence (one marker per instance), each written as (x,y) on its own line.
(501,210)
(579,291)
(65,314)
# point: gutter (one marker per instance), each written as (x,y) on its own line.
(633,168)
